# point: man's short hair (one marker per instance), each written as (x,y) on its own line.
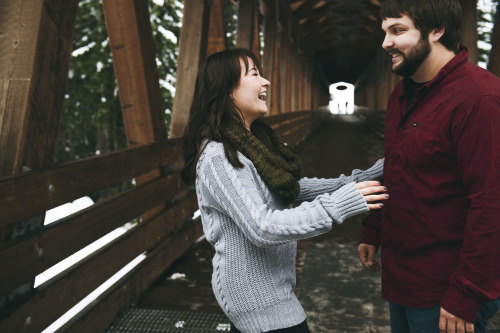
(428,15)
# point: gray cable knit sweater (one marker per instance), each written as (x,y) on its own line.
(255,235)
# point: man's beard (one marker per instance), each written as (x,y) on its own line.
(414,59)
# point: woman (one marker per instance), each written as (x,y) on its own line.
(245,182)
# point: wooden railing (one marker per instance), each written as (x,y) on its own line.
(162,236)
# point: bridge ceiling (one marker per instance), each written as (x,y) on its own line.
(343,34)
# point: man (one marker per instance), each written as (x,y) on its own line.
(439,230)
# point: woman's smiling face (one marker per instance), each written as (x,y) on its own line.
(249,96)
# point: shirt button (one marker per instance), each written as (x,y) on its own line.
(415,124)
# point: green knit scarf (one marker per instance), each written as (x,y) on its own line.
(279,168)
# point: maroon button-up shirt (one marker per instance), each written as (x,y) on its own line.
(439,231)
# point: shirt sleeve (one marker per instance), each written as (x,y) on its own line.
(310,188)
(237,195)
(372,228)
(476,138)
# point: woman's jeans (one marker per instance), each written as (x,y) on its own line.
(410,320)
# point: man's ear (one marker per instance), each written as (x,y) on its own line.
(436,34)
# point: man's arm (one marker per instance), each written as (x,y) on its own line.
(476,141)
(370,240)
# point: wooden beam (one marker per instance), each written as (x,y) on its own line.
(306,6)
(36,41)
(97,316)
(469,29)
(244,34)
(60,240)
(282,10)
(494,59)
(294,79)
(132,47)
(270,72)
(284,78)
(256,33)
(275,81)
(72,285)
(60,184)
(216,34)
(192,50)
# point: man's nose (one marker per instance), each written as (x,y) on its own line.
(387,42)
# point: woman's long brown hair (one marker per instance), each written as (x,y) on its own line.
(212,104)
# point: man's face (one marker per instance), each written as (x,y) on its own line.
(405,44)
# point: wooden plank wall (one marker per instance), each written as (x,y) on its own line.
(38,39)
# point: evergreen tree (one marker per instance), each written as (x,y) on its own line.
(485,21)
(92,120)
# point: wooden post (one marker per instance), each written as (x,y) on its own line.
(256,39)
(299,86)
(293,81)
(271,53)
(36,41)
(244,35)
(132,46)
(275,84)
(494,59)
(134,59)
(216,34)
(192,50)
(270,35)
(283,70)
(469,29)
(288,79)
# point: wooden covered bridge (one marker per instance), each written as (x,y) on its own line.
(304,46)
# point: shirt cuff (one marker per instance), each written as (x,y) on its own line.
(462,306)
(370,236)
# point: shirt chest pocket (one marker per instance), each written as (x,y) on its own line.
(422,145)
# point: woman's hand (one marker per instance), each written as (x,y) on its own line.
(373,191)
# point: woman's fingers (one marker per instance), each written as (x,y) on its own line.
(377,197)
(375,206)
(373,192)
(368,183)
(373,189)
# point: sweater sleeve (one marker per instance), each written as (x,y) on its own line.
(236,193)
(476,139)
(310,188)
